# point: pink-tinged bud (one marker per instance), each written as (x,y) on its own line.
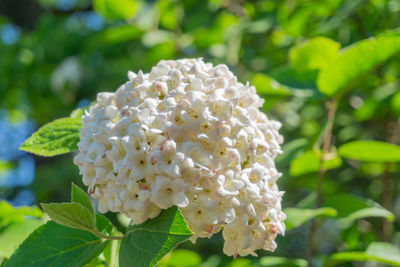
(235,254)
(143,186)
(210,229)
(271,228)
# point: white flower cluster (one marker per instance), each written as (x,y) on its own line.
(187,134)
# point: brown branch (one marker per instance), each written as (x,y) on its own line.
(387,198)
(331,107)
(392,135)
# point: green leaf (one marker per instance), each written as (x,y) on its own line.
(57,137)
(355,61)
(116,9)
(283,262)
(171,14)
(12,236)
(351,208)
(395,103)
(103,224)
(180,258)
(291,149)
(9,214)
(313,54)
(342,13)
(297,217)
(310,162)
(120,34)
(268,86)
(367,110)
(5,166)
(376,251)
(385,251)
(145,244)
(56,245)
(96,262)
(241,262)
(295,79)
(80,196)
(73,215)
(258,26)
(370,151)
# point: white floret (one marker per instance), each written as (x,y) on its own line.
(187,134)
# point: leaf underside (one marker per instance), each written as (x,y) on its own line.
(71,214)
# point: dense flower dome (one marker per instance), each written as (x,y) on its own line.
(187,134)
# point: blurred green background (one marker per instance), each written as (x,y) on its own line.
(56,55)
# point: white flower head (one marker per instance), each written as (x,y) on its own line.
(167,193)
(187,134)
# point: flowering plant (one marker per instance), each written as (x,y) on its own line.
(183,149)
(186,134)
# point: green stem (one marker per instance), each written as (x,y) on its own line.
(109,237)
(331,107)
(114,247)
